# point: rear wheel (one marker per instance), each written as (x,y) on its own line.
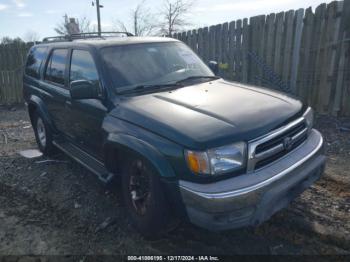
(43,135)
(145,200)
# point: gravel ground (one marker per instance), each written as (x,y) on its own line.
(59,208)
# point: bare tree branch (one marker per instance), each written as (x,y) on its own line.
(85,25)
(141,23)
(120,26)
(174,16)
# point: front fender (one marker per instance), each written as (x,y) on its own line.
(122,142)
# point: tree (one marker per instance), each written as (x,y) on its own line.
(174,16)
(8,40)
(71,25)
(31,36)
(142,21)
(85,25)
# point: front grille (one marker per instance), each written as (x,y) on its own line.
(275,157)
(277,144)
(279,139)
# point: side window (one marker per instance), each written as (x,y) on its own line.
(56,67)
(83,67)
(34,61)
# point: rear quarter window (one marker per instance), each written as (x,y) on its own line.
(35,59)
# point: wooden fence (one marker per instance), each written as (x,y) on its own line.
(12,58)
(13,55)
(10,87)
(302,52)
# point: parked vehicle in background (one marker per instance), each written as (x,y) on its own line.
(185,143)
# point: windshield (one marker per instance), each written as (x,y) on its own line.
(152,64)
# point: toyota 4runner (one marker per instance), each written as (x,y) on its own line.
(184,142)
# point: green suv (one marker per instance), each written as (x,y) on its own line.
(185,143)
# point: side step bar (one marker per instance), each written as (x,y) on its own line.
(85,160)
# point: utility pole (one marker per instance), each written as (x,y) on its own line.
(98,6)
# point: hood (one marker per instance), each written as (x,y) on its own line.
(209,114)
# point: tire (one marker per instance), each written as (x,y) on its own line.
(43,135)
(155,219)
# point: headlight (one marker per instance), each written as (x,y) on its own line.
(309,118)
(217,160)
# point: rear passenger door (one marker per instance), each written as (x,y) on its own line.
(86,115)
(55,88)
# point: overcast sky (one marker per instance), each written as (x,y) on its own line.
(17,17)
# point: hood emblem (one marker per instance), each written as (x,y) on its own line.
(288,143)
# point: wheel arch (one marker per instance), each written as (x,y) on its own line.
(119,146)
(35,104)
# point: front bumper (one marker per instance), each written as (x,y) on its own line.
(253,198)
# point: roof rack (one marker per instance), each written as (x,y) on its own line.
(56,39)
(89,35)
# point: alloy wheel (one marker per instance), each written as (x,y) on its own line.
(139,187)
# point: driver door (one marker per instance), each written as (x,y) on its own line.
(86,115)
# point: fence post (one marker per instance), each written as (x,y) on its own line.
(296,49)
(200,50)
(327,81)
(318,45)
(245,45)
(206,53)
(346,89)
(304,68)
(270,31)
(238,51)
(231,48)
(218,46)
(224,48)
(212,42)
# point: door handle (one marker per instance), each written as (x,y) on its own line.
(68,103)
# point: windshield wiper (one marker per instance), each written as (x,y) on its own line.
(197,77)
(150,87)
(163,86)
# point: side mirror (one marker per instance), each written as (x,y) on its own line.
(214,66)
(83,89)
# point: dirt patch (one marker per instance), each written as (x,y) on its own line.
(61,208)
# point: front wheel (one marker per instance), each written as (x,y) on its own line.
(145,200)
